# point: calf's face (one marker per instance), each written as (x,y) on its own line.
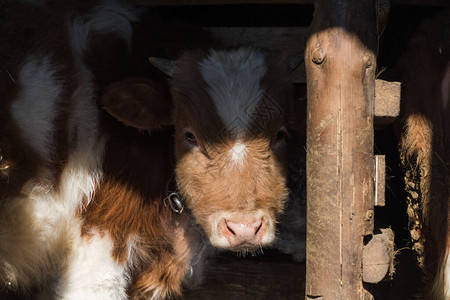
(230,112)
(230,119)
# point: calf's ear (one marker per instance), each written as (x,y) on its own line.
(139,102)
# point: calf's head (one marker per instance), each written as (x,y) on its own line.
(230,112)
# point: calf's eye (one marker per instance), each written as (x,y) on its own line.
(280,135)
(190,137)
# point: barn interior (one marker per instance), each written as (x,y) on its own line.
(275,275)
(283,25)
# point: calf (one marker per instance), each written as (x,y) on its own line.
(425,147)
(113,204)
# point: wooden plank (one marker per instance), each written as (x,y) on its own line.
(380,180)
(263,277)
(289,40)
(236,2)
(422,2)
(340,67)
(387,98)
(215,2)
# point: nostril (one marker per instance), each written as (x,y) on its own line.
(244,229)
(244,232)
(230,230)
(259,227)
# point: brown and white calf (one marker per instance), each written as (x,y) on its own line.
(84,208)
(425,147)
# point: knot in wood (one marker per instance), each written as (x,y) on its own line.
(318,56)
(369,215)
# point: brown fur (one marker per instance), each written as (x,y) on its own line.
(138,168)
(207,177)
(24,164)
(425,146)
(211,185)
(129,203)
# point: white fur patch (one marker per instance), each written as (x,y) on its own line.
(111,16)
(35,229)
(29,244)
(238,153)
(36,107)
(233,79)
(83,170)
(91,272)
(447,275)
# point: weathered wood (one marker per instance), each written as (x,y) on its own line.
(291,40)
(288,40)
(380,180)
(223,2)
(387,101)
(340,64)
(378,257)
(262,277)
(422,2)
(216,2)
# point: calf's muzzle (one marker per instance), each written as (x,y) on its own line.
(243,234)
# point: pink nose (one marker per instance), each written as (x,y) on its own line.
(243,233)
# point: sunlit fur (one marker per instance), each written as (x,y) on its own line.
(425,148)
(216,188)
(52,141)
(217,183)
(83,212)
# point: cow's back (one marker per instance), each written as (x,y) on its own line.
(51,140)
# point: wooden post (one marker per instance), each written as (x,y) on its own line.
(340,66)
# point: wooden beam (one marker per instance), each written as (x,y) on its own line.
(380,180)
(263,277)
(236,2)
(340,66)
(287,40)
(387,101)
(422,2)
(291,41)
(387,98)
(215,2)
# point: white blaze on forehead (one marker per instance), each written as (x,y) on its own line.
(238,153)
(233,79)
(447,273)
